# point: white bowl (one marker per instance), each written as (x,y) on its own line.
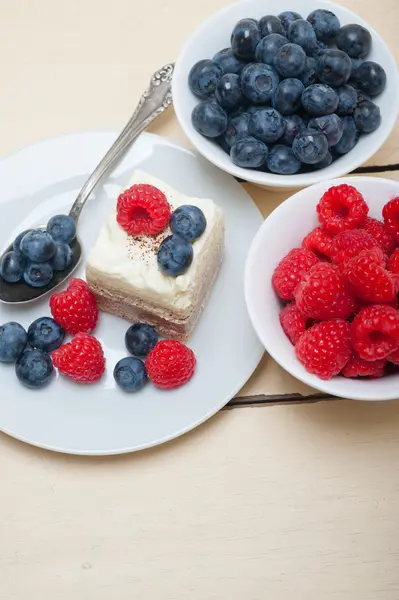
(214,34)
(283,230)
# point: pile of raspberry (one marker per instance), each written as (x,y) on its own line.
(340,289)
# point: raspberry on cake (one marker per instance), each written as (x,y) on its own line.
(141,270)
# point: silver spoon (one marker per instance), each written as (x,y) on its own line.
(155,100)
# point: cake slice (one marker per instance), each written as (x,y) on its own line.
(124,274)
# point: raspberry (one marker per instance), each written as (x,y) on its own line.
(322,294)
(375,332)
(341,207)
(390,214)
(377,230)
(293,322)
(368,279)
(82,360)
(350,243)
(290,271)
(394,357)
(319,242)
(393,262)
(143,210)
(170,364)
(325,349)
(75,309)
(358,367)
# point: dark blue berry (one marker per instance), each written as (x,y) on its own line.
(347,100)
(310,147)
(287,17)
(221,142)
(228,62)
(249,153)
(271,24)
(367,117)
(308,75)
(12,266)
(17,242)
(355,40)
(333,67)
(175,255)
(130,374)
(349,136)
(209,119)
(282,161)
(34,368)
(370,78)
(302,33)
(237,129)
(323,163)
(228,91)
(188,221)
(13,339)
(293,125)
(319,99)
(62,257)
(38,246)
(245,38)
(38,274)
(259,82)
(203,78)
(140,338)
(287,98)
(330,125)
(266,125)
(46,334)
(325,24)
(267,48)
(62,228)
(290,60)
(356,62)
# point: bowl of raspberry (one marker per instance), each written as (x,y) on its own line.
(322,283)
(286,98)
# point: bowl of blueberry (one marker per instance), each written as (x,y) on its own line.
(286,98)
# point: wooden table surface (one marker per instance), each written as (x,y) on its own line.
(282,495)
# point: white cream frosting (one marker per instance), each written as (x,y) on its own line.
(130,264)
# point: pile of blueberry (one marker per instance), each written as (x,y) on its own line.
(290,94)
(37,253)
(130,373)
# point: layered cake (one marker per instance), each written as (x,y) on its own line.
(157,256)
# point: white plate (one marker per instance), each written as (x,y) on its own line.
(43,180)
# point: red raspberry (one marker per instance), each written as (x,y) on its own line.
(393,262)
(170,364)
(143,210)
(290,271)
(325,349)
(358,367)
(377,230)
(75,309)
(375,332)
(322,294)
(394,357)
(342,207)
(350,243)
(82,360)
(390,214)
(368,279)
(319,242)
(293,322)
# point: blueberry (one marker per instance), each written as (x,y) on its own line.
(237,128)
(349,137)
(228,62)
(228,91)
(287,98)
(356,62)
(287,17)
(245,38)
(249,153)
(267,48)
(293,125)
(367,117)
(266,125)
(175,255)
(62,257)
(209,119)
(325,24)
(140,338)
(38,274)
(188,221)
(282,160)
(333,67)
(290,60)
(302,33)
(355,40)
(62,228)
(203,78)
(310,147)
(308,75)
(34,368)
(271,24)
(130,374)
(259,82)
(370,78)
(221,142)
(319,99)
(38,246)
(12,266)
(13,339)
(46,334)
(323,163)
(17,242)
(347,100)
(330,125)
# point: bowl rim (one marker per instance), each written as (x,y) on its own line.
(204,147)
